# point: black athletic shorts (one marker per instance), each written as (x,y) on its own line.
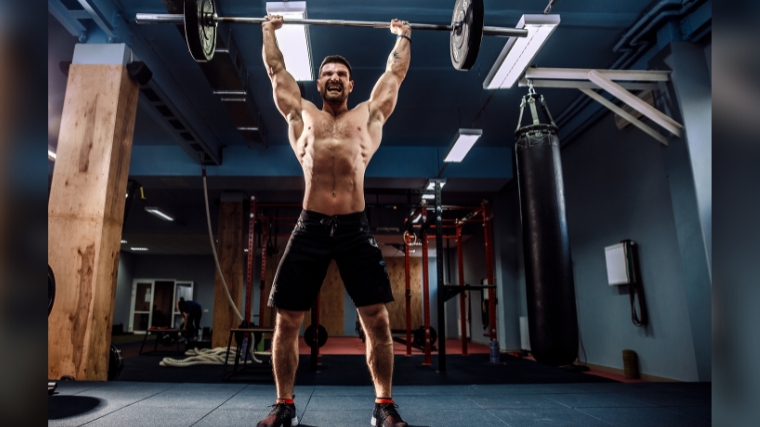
(316,240)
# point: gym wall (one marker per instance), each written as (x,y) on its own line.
(123,289)
(510,270)
(616,187)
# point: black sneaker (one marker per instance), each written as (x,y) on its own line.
(282,415)
(385,415)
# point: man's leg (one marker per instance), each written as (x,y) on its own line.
(376,326)
(285,351)
(196,323)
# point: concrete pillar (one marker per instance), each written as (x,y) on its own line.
(688,161)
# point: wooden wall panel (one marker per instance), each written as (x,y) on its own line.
(85,216)
(397,309)
(331,303)
(231,262)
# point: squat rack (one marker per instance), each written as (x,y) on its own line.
(448,291)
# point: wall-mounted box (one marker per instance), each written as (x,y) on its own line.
(617,264)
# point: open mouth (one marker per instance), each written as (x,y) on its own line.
(334,89)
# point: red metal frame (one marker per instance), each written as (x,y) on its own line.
(486,211)
(264,256)
(249,273)
(251,257)
(462,296)
(408,296)
(426,293)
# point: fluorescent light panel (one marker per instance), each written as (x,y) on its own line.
(139,249)
(431,185)
(157,212)
(463,141)
(520,51)
(293,40)
(123,242)
(428,196)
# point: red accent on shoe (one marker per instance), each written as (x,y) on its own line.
(383,401)
(286,401)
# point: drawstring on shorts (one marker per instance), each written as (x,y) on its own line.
(331,222)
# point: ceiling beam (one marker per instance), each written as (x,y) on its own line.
(574,84)
(635,102)
(533,73)
(624,114)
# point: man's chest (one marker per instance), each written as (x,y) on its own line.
(346,127)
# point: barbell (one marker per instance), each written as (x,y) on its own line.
(466,29)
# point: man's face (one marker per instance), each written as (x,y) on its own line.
(333,83)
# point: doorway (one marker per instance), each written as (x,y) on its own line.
(154,303)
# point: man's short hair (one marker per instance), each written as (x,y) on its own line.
(335,59)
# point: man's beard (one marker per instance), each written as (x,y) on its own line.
(334,97)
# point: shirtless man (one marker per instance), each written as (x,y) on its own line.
(334,146)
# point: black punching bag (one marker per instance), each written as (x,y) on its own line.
(552,317)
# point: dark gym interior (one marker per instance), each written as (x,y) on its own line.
(584,270)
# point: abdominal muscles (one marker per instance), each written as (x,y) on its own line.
(334,176)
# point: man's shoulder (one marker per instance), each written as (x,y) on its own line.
(363,106)
(308,107)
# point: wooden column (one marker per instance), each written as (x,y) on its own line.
(85,215)
(231,260)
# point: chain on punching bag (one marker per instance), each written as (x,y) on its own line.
(552,316)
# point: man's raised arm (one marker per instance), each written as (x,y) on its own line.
(287,96)
(385,93)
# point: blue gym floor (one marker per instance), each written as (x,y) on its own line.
(135,404)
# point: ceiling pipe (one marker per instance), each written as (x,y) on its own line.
(632,47)
(623,44)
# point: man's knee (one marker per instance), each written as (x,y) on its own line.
(289,322)
(375,318)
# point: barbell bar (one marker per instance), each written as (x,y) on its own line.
(179,19)
(466,30)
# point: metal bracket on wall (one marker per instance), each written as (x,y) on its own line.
(587,80)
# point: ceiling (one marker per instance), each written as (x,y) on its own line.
(434,101)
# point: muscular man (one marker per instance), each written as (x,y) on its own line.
(191,314)
(334,146)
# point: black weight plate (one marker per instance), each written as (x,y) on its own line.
(466,33)
(419,336)
(168,339)
(308,336)
(115,363)
(51,289)
(240,335)
(200,30)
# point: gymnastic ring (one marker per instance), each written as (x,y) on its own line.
(413,241)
